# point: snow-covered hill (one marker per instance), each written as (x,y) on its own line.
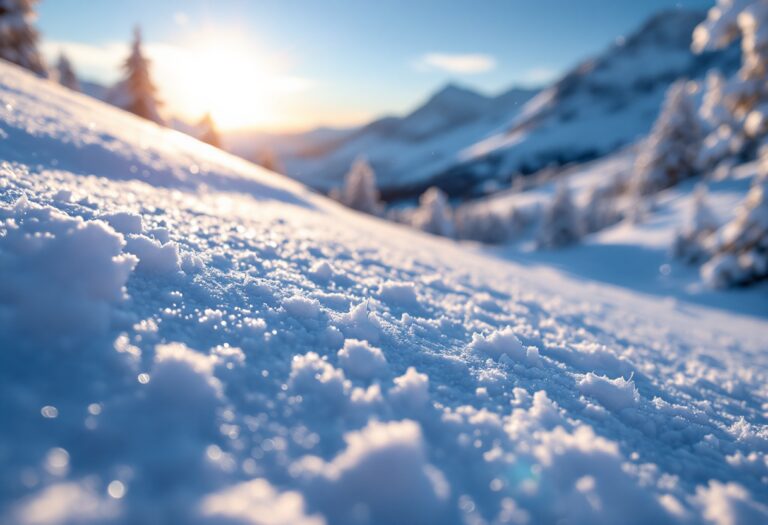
(187,338)
(406,151)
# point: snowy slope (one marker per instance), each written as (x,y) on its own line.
(406,151)
(186,338)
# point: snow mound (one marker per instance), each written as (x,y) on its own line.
(614,394)
(360,359)
(382,476)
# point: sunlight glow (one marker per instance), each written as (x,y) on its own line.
(226,77)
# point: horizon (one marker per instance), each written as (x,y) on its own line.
(278,69)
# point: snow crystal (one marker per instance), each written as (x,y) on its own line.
(302,307)
(503,343)
(614,394)
(361,360)
(361,323)
(382,476)
(124,222)
(154,257)
(402,295)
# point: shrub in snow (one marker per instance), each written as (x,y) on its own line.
(560,224)
(670,153)
(361,360)
(256,502)
(382,476)
(136,92)
(360,191)
(689,243)
(207,132)
(18,37)
(59,272)
(434,213)
(740,247)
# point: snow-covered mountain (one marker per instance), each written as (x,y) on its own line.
(408,149)
(467,144)
(601,105)
(188,338)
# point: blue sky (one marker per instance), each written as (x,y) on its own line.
(341,61)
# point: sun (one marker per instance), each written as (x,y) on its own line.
(229,79)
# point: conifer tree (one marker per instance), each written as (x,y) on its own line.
(66,75)
(136,92)
(207,131)
(561,224)
(670,153)
(434,214)
(360,191)
(18,36)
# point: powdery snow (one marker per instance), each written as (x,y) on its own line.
(216,392)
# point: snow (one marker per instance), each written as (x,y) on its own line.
(360,359)
(266,375)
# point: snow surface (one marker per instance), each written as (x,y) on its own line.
(251,353)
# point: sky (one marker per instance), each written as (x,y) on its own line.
(286,65)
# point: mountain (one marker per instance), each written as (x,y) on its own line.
(189,338)
(468,144)
(604,103)
(401,149)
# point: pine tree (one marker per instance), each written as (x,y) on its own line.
(746,95)
(670,153)
(740,247)
(690,242)
(136,92)
(66,75)
(561,224)
(207,131)
(360,191)
(18,36)
(600,210)
(434,214)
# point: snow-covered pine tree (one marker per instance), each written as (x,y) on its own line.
(560,224)
(207,132)
(360,191)
(746,95)
(740,247)
(65,74)
(136,92)
(18,36)
(478,224)
(689,243)
(434,214)
(669,154)
(600,209)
